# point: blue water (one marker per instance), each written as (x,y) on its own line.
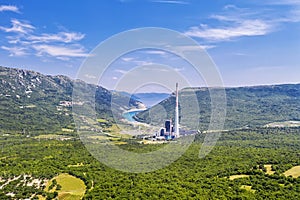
(129,115)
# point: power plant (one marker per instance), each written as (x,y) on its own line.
(171,131)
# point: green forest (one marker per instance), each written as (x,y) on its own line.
(245,106)
(235,169)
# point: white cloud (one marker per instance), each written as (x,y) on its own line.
(207,46)
(195,47)
(230,6)
(18,27)
(59,51)
(283,11)
(239,54)
(155,68)
(24,41)
(15,51)
(66,37)
(156,52)
(127,59)
(291,17)
(63,58)
(121,71)
(235,22)
(143,62)
(90,76)
(136,61)
(223,18)
(248,27)
(9,8)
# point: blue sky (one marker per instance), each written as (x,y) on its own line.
(251,42)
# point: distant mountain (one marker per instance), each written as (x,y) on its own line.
(149,99)
(246,106)
(33,102)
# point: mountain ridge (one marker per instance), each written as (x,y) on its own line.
(33,102)
(246,106)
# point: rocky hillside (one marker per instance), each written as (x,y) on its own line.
(33,102)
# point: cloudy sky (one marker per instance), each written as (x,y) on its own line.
(251,42)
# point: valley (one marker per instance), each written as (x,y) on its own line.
(43,156)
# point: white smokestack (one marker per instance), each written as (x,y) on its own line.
(176,130)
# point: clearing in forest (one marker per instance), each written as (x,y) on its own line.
(284,124)
(71,187)
(269,169)
(77,165)
(248,188)
(238,176)
(294,172)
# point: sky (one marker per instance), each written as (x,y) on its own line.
(250,42)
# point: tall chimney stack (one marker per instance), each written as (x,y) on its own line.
(176,129)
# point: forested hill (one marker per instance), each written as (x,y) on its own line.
(246,106)
(33,102)
(148,99)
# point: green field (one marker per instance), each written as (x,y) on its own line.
(238,176)
(248,188)
(52,137)
(67,130)
(294,172)
(77,165)
(269,169)
(71,187)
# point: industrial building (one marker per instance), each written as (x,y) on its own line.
(170,131)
